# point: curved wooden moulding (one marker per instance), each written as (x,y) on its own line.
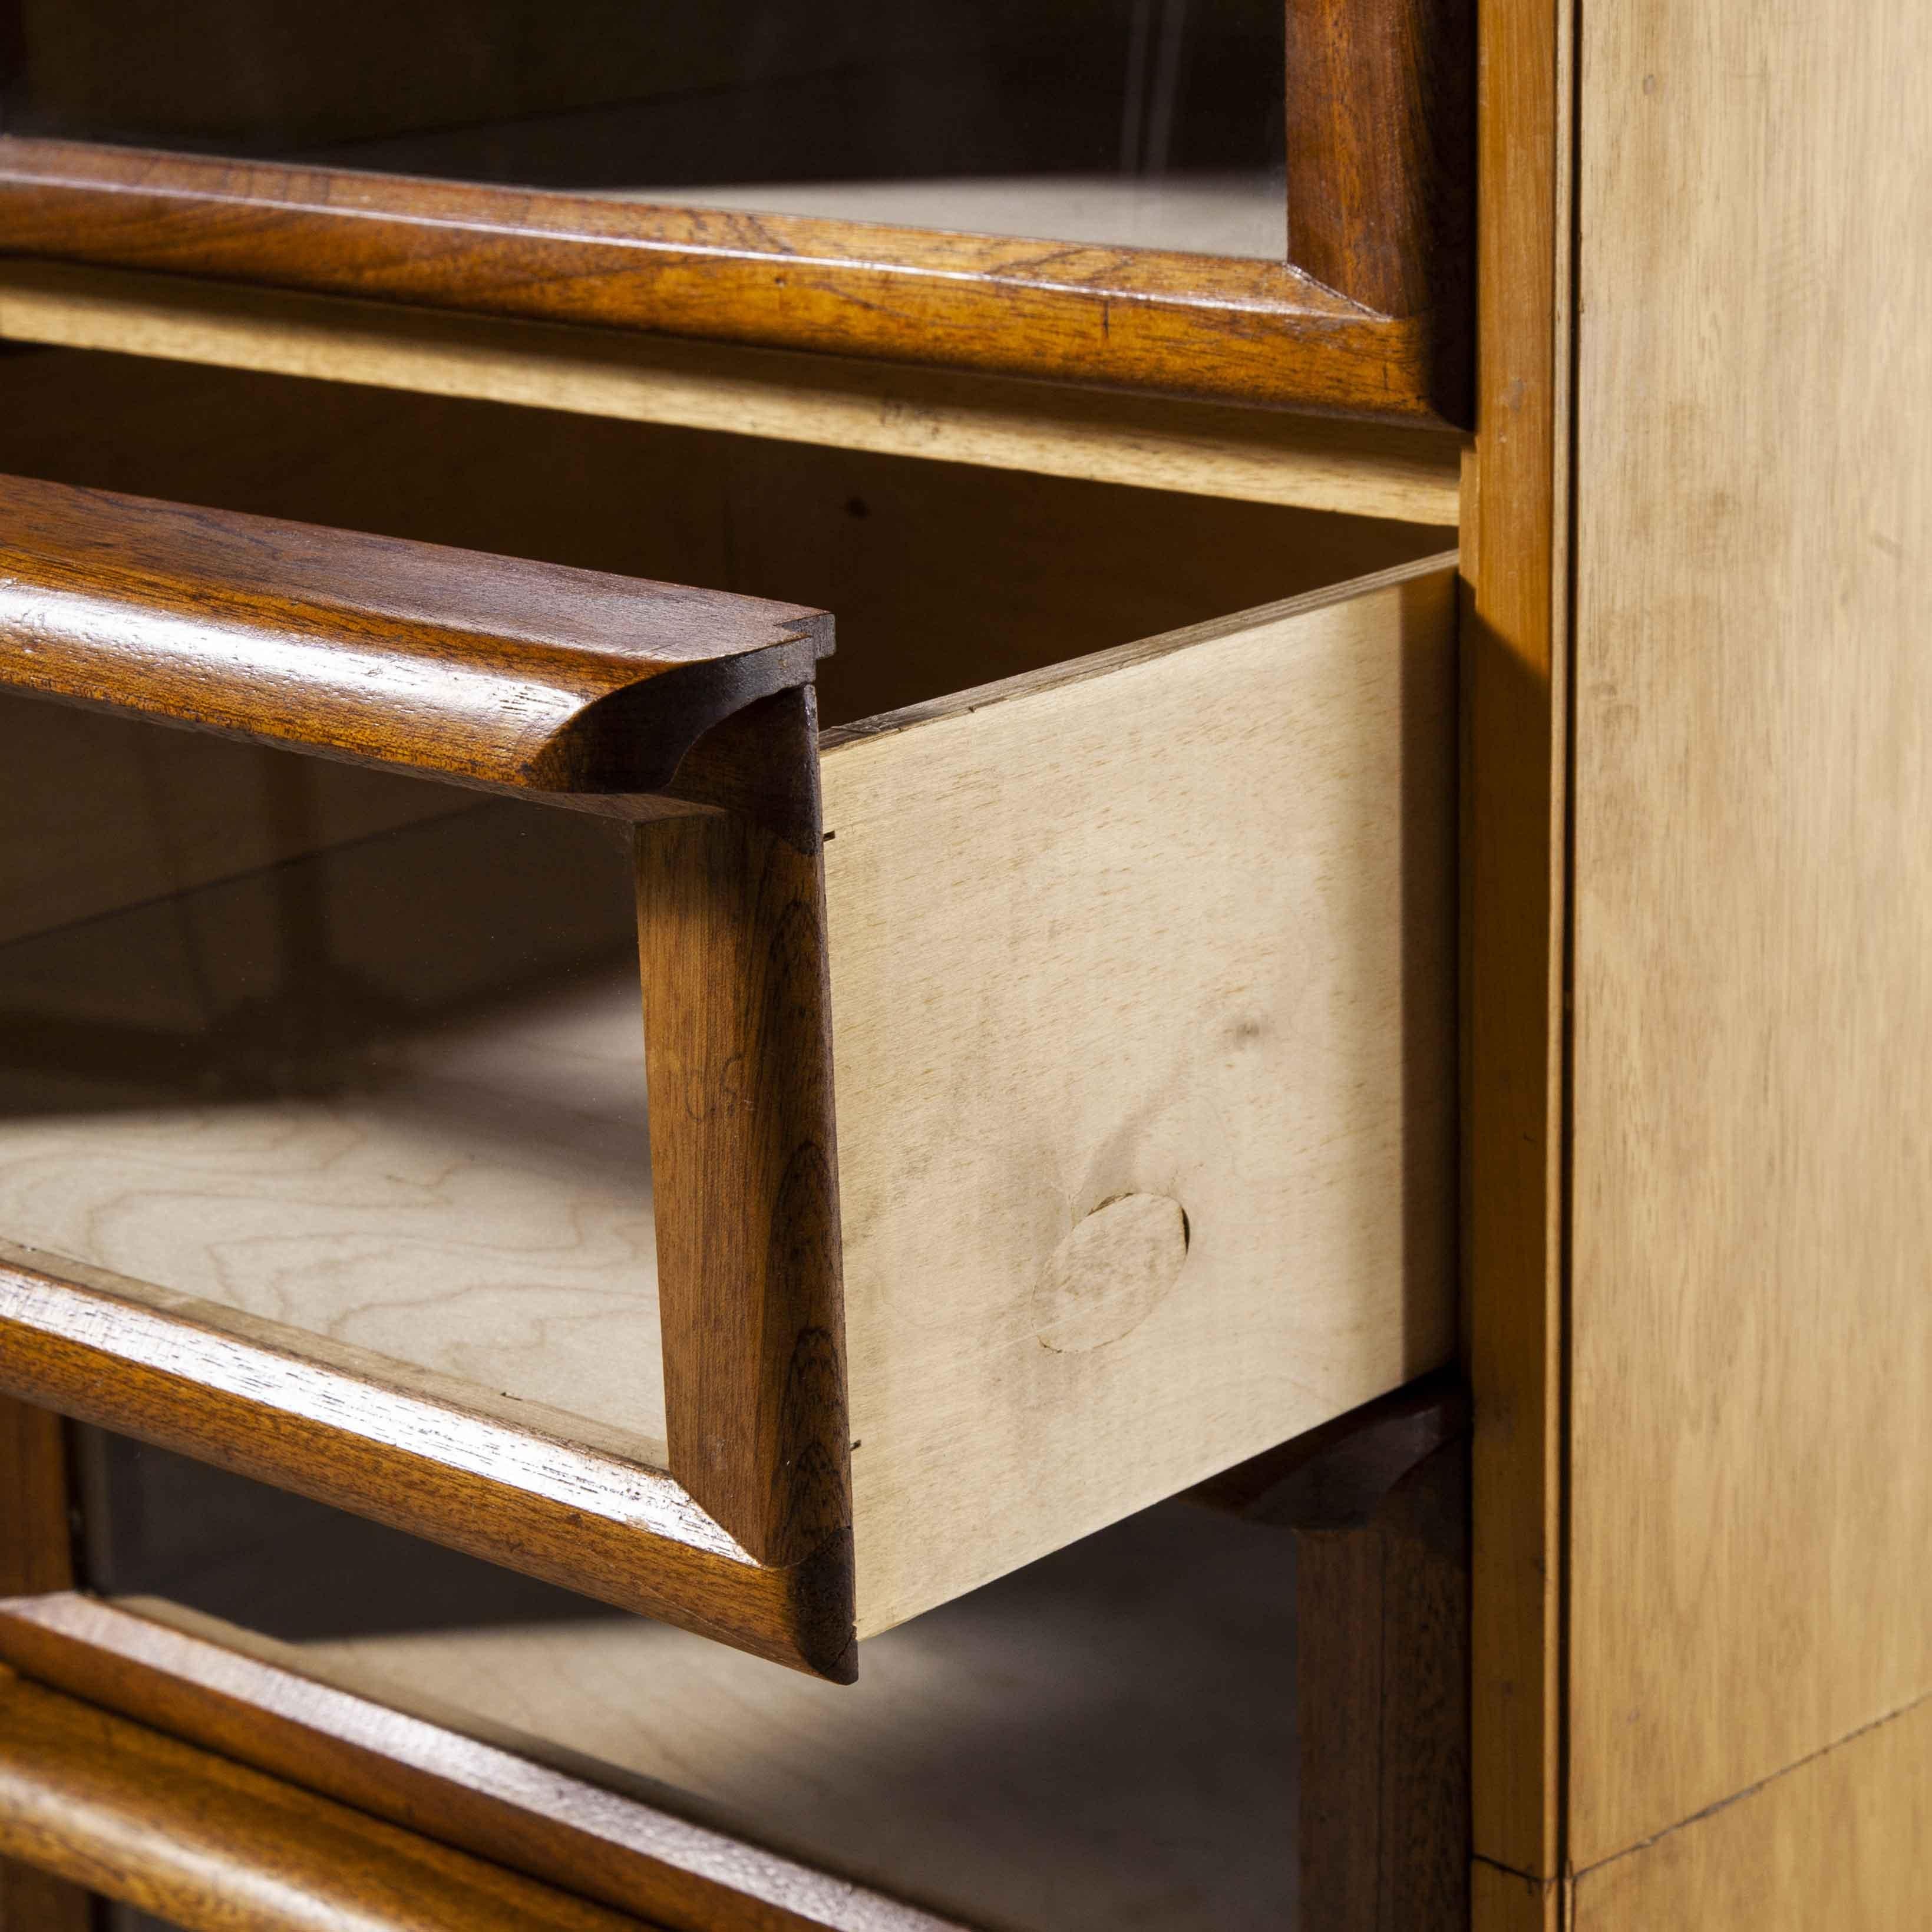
(160,1824)
(490,670)
(573,1513)
(1202,325)
(475,1797)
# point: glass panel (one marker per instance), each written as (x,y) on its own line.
(1138,123)
(357,1057)
(1104,1739)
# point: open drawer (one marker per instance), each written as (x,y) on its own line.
(1050,1083)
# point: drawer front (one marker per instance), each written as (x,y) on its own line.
(1140,1027)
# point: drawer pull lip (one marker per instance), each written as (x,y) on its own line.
(1118,1264)
(487,671)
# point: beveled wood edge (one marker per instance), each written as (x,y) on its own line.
(485,670)
(1197,325)
(734,958)
(464,1792)
(583,1519)
(103,1802)
(1380,163)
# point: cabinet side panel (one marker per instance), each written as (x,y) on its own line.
(1142,987)
(1845,1840)
(1752,1451)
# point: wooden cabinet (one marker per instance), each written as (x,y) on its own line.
(561,1060)
(1092,945)
(1089,1003)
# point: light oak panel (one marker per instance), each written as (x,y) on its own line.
(1175,921)
(1844,1839)
(1210,449)
(1752,1442)
(1507,1901)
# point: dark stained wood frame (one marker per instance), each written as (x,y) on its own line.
(483,1802)
(575,689)
(93,1800)
(1368,316)
(1378,1501)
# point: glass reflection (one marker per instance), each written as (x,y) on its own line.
(1135,123)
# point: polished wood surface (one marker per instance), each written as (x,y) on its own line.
(215,1847)
(1191,325)
(744,1172)
(1212,449)
(36,1550)
(1381,162)
(476,1796)
(1173,921)
(1514,660)
(1843,1840)
(492,670)
(1379,1503)
(336,1424)
(1751,1453)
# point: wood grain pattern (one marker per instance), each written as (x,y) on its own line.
(216,1847)
(1752,1441)
(1843,1840)
(36,1536)
(480,1799)
(738,1046)
(1378,1502)
(1027,1025)
(1190,325)
(1515,671)
(1380,131)
(326,1423)
(1214,449)
(499,672)
(1381,1631)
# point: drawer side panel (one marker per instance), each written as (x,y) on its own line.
(1181,931)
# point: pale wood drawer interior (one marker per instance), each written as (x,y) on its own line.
(1139,871)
